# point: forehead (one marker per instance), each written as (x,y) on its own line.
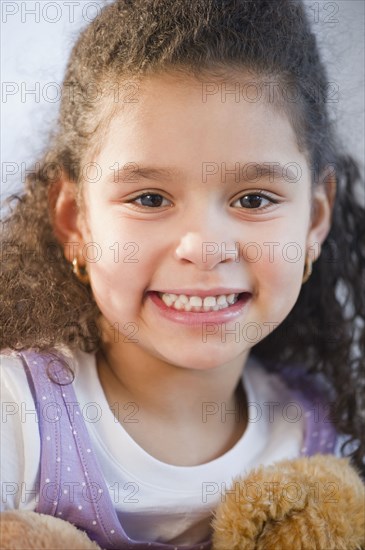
(169,115)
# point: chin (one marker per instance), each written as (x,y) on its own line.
(209,358)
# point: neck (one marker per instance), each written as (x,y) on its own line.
(181,416)
(168,391)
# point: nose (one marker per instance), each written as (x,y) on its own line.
(204,253)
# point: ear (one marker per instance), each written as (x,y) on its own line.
(66,217)
(323,198)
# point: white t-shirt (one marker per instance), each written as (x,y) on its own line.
(175,502)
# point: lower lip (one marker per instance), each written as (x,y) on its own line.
(192,318)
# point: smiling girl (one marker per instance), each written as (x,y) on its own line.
(163,252)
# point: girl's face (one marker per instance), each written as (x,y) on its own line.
(196,159)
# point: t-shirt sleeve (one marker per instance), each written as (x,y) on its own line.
(19,437)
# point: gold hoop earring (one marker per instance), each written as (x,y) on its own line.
(307,269)
(82,273)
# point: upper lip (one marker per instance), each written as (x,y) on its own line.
(201,292)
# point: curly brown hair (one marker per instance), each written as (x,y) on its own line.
(43,302)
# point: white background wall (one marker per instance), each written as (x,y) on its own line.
(37,37)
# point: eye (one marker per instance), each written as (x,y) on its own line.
(254,201)
(149,200)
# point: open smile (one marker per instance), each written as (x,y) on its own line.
(195,310)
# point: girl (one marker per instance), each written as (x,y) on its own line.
(162,330)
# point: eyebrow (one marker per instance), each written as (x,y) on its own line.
(132,172)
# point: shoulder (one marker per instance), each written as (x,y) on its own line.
(20,442)
(300,397)
(294,379)
(269,382)
(273,397)
(12,361)
(19,434)
(16,366)
(12,374)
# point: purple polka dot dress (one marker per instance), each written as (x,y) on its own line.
(72,486)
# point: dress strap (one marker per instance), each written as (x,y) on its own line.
(72,485)
(312,396)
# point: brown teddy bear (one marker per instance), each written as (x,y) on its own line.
(307,503)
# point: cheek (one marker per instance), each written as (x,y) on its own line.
(282,262)
(276,253)
(118,268)
(280,273)
(278,279)
(275,263)
(115,290)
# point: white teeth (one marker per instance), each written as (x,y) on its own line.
(183,299)
(210,301)
(168,300)
(221,300)
(196,303)
(231,298)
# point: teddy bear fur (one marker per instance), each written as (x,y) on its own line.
(23,530)
(302,504)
